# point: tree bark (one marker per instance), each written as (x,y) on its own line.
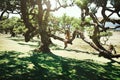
(45,42)
(26,20)
(45,39)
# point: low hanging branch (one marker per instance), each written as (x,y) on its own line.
(104,53)
(62,39)
(95,38)
(66,41)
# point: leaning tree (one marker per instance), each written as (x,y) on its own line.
(90,8)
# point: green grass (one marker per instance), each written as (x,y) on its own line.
(39,66)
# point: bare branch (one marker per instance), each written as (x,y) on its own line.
(61,6)
(3,13)
(62,39)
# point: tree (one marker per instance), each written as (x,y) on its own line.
(87,9)
(8,25)
(39,11)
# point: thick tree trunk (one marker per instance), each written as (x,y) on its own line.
(42,18)
(45,42)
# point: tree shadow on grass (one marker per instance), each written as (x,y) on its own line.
(17,39)
(11,67)
(39,66)
(77,51)
(31,45)
(21,39)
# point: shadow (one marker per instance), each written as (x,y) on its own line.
(113,61)
(100,72)
(17,39)
(31,45)
(77,51)
(81,51)
(11,67)
(47,66)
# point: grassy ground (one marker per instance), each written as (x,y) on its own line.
(76,62)
(17,44)
(79,50)
(38,66)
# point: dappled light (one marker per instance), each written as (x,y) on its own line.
(39,66)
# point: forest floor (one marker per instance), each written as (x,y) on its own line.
(79,50)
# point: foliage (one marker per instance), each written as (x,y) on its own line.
(72,21)
(19,27)
(9,23)
(54,23)
(108,33)
(82,3)
(39,66)
(13,23)
(59,23)
(89,30)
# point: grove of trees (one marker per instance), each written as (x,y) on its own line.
(38,19)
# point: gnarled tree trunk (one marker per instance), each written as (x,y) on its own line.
(45,42)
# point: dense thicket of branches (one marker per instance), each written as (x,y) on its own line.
(35,15)
(89,8)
